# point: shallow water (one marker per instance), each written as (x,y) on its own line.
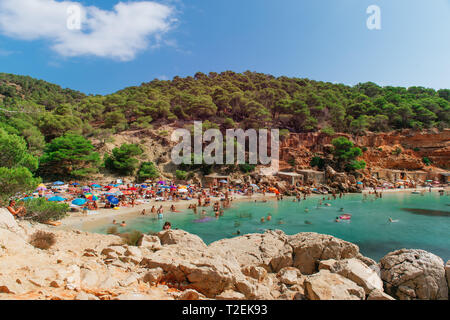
(369,227)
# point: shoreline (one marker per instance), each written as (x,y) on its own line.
(84,222)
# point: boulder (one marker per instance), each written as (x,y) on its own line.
(8,222)
(411,274)
(150,242)
(257,273)
(180,237)
(269,250)
(205,271)
(154,276)
(325,285)
(355,270)
(310,248)
(289,275)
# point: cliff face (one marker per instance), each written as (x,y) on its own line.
(381,147)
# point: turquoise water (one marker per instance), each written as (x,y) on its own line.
(369,227)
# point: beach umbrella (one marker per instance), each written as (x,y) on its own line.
(56,199)
(79,202)
(144,186)
(359,182)
(223,181)
(41,187)
(132,189)
(161,182)
(58,183)
(75,184)
(96,186)
(91,196)
(112,199)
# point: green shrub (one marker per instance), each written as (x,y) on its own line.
(329,131)
(148,170)
(397,151)
(42,210)
(427,161)
(317,162)
(246,168)
(416,149)
(181,175)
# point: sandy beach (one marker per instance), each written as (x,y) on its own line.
(78,220)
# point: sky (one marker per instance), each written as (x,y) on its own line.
(100,47)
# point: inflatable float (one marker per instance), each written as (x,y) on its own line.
(205,219)
(345,217)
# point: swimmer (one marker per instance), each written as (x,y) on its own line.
(306,210)
(280,222)
(328,205)
(269,217)
(308,222)
(263,220)
(337,219)
(237,233)
(341,209)
(123,224)
(390,220)
(203,212)
(114,222)
(143,212)
(167,225)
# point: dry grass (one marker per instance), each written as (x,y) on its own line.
(42,240)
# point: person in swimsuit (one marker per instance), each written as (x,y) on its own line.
(16,213)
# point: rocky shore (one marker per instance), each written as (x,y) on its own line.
(174,264)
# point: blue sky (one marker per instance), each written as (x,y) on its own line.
(323,40)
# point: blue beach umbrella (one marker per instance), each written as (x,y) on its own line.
(79,202)
(359,182)
(56,199)
(27,198)
(96,186)
(58,183)
(112,199)
(75,184)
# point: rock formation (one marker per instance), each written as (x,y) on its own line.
(174,264)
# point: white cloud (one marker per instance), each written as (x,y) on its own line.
(119,33)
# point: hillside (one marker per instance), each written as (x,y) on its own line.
(39,112)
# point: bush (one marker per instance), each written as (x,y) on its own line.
(416,149)
(246,168)
(397,151)
(122,159)
(42,210)
(329,131)
(42,240)
(132,238)
(148,170)
(317,162)
(427,161)
(181,175)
